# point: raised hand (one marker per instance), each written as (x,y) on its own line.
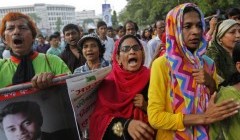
(139,130)
(217,112)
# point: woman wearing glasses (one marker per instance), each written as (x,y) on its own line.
(120,111)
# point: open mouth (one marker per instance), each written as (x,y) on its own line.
(90,54)
(132,61)
(17,41)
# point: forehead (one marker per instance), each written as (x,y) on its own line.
(17,22)
(12,119)
(103,26)
(129,41)
(191,17)
(160,23)
(70,31)
(88,41)
(54,39)
(129,25)
(236,26)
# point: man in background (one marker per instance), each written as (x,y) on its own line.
(42,47)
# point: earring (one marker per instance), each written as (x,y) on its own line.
(120,64)
(220,42)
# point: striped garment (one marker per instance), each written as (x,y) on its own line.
(187,96)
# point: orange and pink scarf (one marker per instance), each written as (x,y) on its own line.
(187,96)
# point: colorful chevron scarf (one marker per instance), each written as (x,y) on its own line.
(187,96)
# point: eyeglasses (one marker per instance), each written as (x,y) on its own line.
(128,48)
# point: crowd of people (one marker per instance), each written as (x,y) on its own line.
(176,80)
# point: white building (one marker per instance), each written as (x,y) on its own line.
(47,15)
(87,19)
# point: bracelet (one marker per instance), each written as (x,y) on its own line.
(125,128)
(208,37)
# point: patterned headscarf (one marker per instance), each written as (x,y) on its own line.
(186,95)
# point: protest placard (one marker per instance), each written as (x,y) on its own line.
(82,92)
(49,108)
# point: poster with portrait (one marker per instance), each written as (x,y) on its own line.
(38,114)
(106,13)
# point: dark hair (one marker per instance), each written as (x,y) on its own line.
(70,27)
(94,37)
(40,35)
(126,37)
(191,9)
(11,16)
(119,28)
(136,26)
(53,36)
(232,12)
(110,28)
(57,33)
(235,77)
(29,108)
(236,53)
(101,23)
(143,34)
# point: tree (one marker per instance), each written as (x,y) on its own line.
(58,24)
(145,12)
(35,17)
(114,20)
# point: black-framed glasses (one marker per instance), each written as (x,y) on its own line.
(127,48)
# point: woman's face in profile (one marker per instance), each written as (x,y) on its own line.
(232,36)
(131,55)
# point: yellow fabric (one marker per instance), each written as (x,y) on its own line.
(160,112)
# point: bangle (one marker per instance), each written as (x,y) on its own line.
(125,128)
(208,37)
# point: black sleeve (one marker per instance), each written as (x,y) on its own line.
(145,92)
(109,134)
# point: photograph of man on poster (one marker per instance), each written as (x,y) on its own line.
(23,121)
(41,115)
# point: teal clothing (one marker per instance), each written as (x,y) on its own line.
(41,63)
(228,129)
(55,51)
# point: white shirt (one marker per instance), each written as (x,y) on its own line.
(146,52)
(109,45)
(6,54)
(152,46)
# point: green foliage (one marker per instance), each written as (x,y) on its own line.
(58,24)
(114,19)
(146,12)
(35,17)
